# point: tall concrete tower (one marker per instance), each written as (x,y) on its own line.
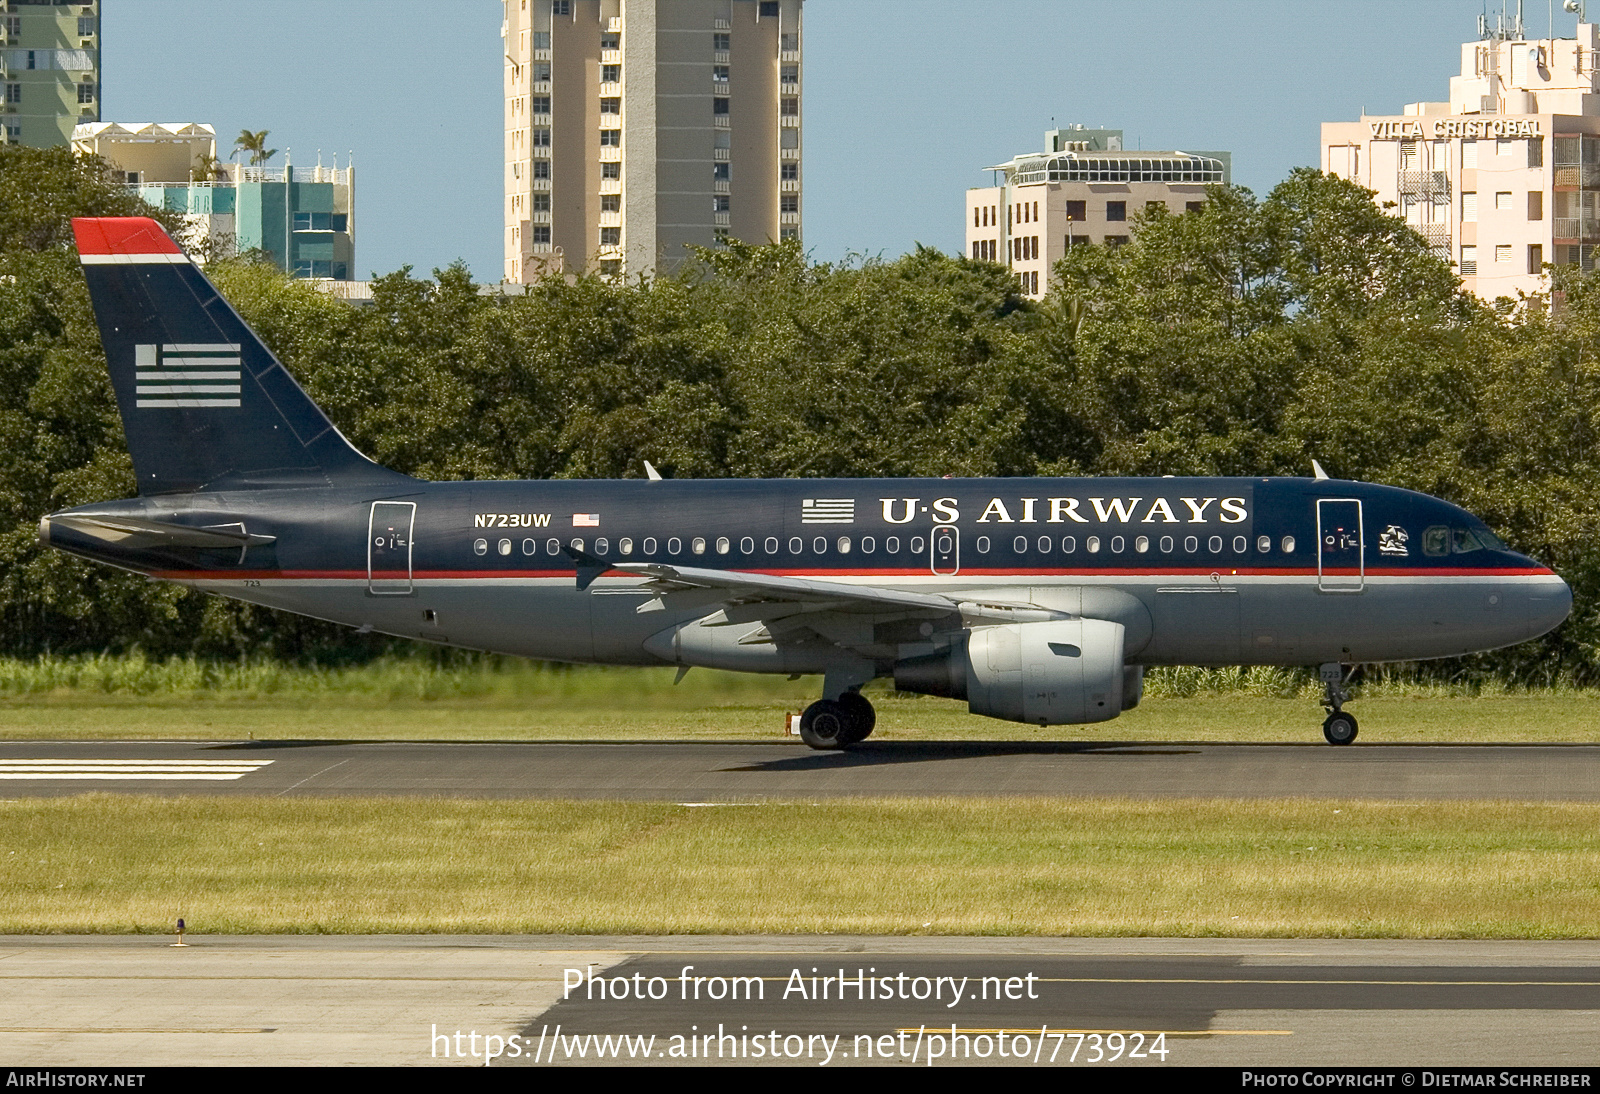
(637,129)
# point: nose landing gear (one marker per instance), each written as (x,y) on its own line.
(1339,728)
(836,723)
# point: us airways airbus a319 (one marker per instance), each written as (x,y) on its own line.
(1038,601)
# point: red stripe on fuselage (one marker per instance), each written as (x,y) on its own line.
(825,574)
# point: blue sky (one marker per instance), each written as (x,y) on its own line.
(905,100)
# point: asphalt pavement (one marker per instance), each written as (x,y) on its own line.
(701,771)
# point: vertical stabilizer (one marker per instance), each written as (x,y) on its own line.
(205,405)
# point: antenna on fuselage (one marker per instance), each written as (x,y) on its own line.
(651,472)
(1317,472)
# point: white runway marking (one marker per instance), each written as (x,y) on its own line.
(128,770)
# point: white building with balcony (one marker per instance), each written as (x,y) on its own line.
(1502,178)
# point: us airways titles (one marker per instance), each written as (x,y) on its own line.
(1075,510)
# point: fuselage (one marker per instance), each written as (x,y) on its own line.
(1201,571)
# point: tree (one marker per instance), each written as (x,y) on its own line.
(255,144)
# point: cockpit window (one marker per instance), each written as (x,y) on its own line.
(1440,540)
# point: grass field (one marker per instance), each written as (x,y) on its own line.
(101,863)
(127,698)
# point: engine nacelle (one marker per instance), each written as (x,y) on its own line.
(1068,672)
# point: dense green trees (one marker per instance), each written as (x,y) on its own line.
(1245,338)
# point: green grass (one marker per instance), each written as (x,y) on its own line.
(506,699)
(103,863)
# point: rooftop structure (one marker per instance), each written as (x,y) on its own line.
(302,219)
(1082,189)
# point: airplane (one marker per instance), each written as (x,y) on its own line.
(1035,600)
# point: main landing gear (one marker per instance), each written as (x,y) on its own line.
(1339,728)
(837,723)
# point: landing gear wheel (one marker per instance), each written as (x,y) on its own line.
(862,718)
(1340,728)
(825,724)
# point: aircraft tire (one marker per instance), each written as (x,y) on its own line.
(862,718)
(825,724)
(1340,728)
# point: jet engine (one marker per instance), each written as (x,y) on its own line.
(1067,672)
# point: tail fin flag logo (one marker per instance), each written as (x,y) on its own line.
(203,374)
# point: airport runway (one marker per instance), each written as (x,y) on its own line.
(699,771)
(127,1002)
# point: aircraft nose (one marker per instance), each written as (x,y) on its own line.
(1549,604)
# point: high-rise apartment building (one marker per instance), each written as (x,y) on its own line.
(638,129)
(1083,188)
(49,69)
(1505,176)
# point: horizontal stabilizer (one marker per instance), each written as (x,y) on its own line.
(140,533)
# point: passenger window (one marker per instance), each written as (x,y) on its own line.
(1044,545)
(480,546)
(552,546)
(625,546)
(1093,544)
(1288,545)
(529,547)
(699,545)
(983,545)
(892,545)
(1166,545)
(722,545)
(820,545)
(1069,544)
(1142,544)
(505,547)
(1240,544)
(577,545)
(1191,544)
(771,545)
(601,546)
(1116,545)
(1436,541)
(918,545)
(747,546)
(650,545)
(796,545)
(1020,545)
(1264,544)
(844,545)
(868,545)
(1215,543)
(674,546)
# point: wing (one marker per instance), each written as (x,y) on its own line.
(859,617)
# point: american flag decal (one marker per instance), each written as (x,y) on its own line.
(186,375)
(828,511)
